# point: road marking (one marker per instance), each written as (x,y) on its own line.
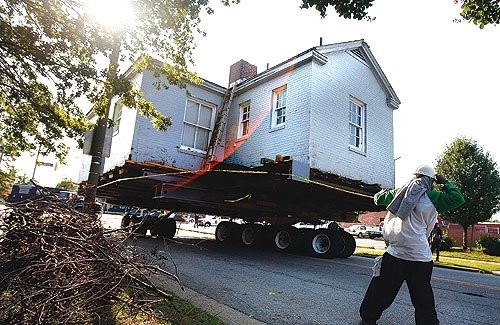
(466,283)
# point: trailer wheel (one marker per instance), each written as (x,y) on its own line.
(166,227)
(125,221)
(250,234)
(349,244)
(285,239)
(324,243)
(225,232)
(139,229)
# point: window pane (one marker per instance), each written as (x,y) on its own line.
(245,128)
(192,112)
(188,135)
(202,139)
(205,116)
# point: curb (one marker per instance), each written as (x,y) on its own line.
(227,314)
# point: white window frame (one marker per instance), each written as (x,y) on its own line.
(278,116)
(244,120)
(197,125)
(117,116)
(357,131)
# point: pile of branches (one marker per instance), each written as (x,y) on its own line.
(59,266)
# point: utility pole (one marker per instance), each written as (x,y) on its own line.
(100,129)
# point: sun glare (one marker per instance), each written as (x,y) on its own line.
(114,14)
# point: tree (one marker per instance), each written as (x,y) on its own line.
(49,54)
(479,12)
(67,184)
(6,181)
(476,174)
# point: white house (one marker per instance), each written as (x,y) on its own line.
(329,108)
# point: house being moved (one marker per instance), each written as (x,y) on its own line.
(310,138)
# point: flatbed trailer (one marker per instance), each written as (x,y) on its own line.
(269,199)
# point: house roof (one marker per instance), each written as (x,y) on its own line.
(318,54)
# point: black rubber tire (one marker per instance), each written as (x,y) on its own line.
(139,229)
(285,239)
(225,233)
(166,227)
(250,235)
(324,243)
(125,221)
(349,244)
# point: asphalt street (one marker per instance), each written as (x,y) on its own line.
(246,286)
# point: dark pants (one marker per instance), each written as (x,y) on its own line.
(384,288)
(435,246)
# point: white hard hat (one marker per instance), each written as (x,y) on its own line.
(425,170)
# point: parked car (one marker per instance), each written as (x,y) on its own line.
(117,209)
(321,224)
(365,231)
(21,192)
(208,221)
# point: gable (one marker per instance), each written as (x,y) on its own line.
(361,50)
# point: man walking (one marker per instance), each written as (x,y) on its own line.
(412,213)
(436,237)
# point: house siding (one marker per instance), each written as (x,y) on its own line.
(345,76)
(150,144)
(121,142)
(264,141)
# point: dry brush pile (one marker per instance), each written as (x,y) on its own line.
(59,266)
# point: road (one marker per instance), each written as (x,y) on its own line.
(277,288)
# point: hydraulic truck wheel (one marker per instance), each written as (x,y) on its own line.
(139,229)
(125,221)
(250,234)
(324,243)
(225,232)
(285,239)
(166,227)
(349,244)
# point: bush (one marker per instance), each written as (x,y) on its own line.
(446,242)
(490,245)
(333,225)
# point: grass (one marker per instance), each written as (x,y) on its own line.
(175,312)
(471,258)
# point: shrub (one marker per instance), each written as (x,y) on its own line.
(446,242)
(490,245)
(333,225)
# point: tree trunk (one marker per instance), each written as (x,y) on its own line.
(464,238)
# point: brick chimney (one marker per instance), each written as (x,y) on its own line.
(241,70)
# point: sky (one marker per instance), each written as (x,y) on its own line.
(444,73)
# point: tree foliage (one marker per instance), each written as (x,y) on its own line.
(67,184)
(476,174)
(479,12)
(6,181)
(49,58)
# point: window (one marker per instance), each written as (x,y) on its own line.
(356,124)
(279,106)
(244,125)
(198,119)
(117,117)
